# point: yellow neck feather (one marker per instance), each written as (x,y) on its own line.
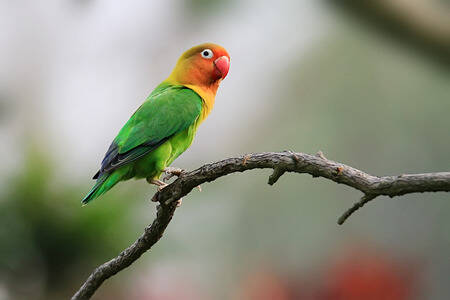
(208,96)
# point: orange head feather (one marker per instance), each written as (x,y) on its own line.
(204,65)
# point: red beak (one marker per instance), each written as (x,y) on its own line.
(222,65)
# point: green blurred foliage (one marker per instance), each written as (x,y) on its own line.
(48,240)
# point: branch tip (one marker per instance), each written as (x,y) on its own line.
(364,199)
(277,173)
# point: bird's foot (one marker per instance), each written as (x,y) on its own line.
(160,184)
(171,172)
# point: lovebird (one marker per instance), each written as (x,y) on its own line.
(164,126)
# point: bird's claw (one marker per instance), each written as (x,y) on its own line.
(245,158)
(160,185)
(171,172)
(159,188)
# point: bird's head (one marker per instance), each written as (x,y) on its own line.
(203,65)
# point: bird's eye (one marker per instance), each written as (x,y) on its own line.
(207,53)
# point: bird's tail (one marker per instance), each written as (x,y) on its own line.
(104,183)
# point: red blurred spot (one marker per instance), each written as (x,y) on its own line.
(366,274)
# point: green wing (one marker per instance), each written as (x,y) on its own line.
(167,111)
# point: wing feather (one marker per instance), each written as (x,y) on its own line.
(167,111)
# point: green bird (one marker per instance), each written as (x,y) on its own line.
(164,126)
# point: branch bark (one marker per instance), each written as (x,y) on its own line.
(281,162)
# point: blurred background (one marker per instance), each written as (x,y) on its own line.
(367,83)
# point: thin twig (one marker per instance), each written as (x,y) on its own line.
(355,207)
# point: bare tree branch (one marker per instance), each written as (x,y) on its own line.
(281,162)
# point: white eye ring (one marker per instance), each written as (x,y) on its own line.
(207,53)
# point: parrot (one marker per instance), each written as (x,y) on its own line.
(164,126)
